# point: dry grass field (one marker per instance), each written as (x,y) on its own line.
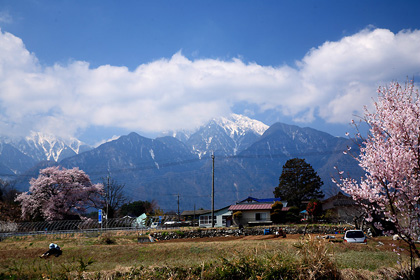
(119,255)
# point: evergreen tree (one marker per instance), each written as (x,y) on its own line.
(9,209)
(298,182)
(276,213)
(137,208)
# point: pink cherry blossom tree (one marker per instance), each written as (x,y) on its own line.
(390,157)
(59,194)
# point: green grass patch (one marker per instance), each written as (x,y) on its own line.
(366,259)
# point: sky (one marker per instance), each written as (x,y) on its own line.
(98,69)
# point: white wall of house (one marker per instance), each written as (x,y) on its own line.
(220,218)
(255,216)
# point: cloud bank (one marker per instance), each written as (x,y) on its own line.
(332,82)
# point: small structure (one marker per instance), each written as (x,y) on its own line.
(341,208)
(192,216)
(255,211)
(222,218)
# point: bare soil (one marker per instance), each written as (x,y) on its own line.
(229,238)
(380,243)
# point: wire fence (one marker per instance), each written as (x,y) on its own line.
(54,227)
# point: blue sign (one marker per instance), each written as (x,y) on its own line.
(100,216)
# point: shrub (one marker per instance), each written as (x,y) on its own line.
(315,261)
(293,214)
(277,216)
(107,239)
(237,215)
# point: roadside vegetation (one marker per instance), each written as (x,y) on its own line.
(120,256)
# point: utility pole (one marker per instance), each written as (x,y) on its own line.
(178,208)
(212,193)
(107,200)
(194,216)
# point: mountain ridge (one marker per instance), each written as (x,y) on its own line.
(226,136)
(247,163)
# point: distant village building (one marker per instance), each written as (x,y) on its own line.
(341,208)
(254,211)
(222,218)
(193,215)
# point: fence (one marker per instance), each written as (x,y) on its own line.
(53,227)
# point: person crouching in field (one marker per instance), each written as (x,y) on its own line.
(54,249)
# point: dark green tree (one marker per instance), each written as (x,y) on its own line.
(137,208)
(292,216)
(8,192)
(9,209)
(298,182)
(276,213)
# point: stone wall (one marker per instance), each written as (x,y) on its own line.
(220,232)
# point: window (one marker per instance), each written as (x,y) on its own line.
(206,220)
(260,216)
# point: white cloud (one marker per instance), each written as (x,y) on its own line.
(114,137)
(333,80)
(346,74)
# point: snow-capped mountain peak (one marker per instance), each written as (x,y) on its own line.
(43,146)
(237,125)
(226,136)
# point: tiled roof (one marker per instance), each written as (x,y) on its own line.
(254,206)
(251,206)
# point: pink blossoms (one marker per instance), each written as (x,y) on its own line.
(59,194)
(390,157)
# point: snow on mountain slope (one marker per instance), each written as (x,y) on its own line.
(226,136)
(41,146)
(238,125)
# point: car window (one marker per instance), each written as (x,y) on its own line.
(355,234)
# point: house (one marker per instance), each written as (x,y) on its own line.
(341,208)
(255,211)
(222,218)
(192,216)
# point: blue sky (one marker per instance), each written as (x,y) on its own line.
(95,69)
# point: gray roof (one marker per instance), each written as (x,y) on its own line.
(194,212)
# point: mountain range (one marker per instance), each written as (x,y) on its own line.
(248,161)
(17,155)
